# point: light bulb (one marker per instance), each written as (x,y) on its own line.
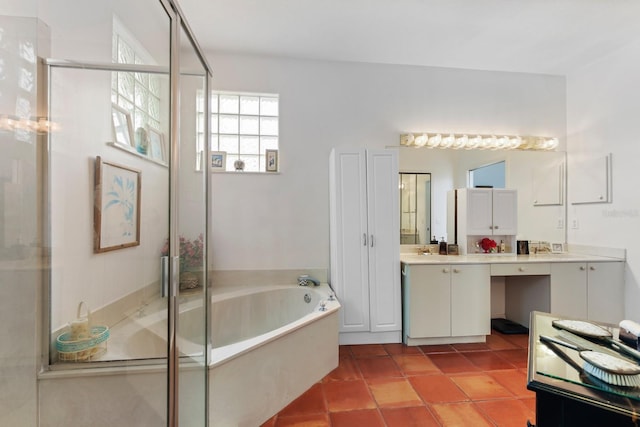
(421,140)
(460,142)
(434,141)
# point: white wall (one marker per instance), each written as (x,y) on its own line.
(81,106)
(282,221)
(602,117)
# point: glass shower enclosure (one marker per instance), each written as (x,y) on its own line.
(110,173)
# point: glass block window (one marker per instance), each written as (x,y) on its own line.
(243,125)
(138,93)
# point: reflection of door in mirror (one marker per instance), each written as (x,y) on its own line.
(492,176)
(415,208)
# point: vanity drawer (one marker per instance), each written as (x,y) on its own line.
(521,269)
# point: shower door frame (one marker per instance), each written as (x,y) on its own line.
(177,24)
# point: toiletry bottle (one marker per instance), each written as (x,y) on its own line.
(434,241)
(443,247)
(503,248)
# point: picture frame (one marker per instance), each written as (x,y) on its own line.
(122,127)
(157,146)
(557,248)
(271,160)
(116,213)
(523,247)
(218,161)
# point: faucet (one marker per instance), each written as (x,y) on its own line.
(304,280)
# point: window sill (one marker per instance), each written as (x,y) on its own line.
(135,153)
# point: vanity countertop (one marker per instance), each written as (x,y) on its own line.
(416,259)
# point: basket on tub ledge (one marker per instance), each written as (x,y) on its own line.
(84,342)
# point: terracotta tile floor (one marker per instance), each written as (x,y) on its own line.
(441,385)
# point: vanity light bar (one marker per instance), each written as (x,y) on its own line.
(477,142)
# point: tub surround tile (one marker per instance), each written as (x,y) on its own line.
(234,278)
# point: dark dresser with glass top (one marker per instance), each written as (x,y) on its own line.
(565,394)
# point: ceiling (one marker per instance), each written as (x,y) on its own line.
(538,36)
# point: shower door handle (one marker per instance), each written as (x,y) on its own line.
(164,276)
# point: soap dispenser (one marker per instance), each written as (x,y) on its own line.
(443,247)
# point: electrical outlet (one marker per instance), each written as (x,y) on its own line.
(560,223)
(575,224)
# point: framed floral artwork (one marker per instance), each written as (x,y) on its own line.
(271,160)
(116,212)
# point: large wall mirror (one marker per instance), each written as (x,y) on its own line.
(415,208)
(449,169)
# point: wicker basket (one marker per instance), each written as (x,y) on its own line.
(86,347)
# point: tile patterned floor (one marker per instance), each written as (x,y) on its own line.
(441,386)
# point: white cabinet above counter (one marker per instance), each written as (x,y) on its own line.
(569,284)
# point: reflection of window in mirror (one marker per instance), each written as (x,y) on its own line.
(415,208)
(491,176)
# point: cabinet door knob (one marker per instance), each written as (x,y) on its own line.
(495,227)
(592,268)
(520,268)
(455,270)
(582,268)
(445,270)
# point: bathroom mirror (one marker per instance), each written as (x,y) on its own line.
(449,169)
(415,208)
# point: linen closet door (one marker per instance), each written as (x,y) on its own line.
(350,237)
(383,221)
(365,242)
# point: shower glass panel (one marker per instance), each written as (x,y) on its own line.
(109,213)
(191,211)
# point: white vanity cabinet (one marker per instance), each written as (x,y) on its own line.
(446,303)
(482,212)
(365,244)
(588,290)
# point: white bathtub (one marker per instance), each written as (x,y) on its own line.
(268,347)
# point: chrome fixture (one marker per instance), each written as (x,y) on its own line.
(305,279)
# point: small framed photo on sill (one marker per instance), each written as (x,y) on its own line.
(218,161)
(557,248)
(271,160)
